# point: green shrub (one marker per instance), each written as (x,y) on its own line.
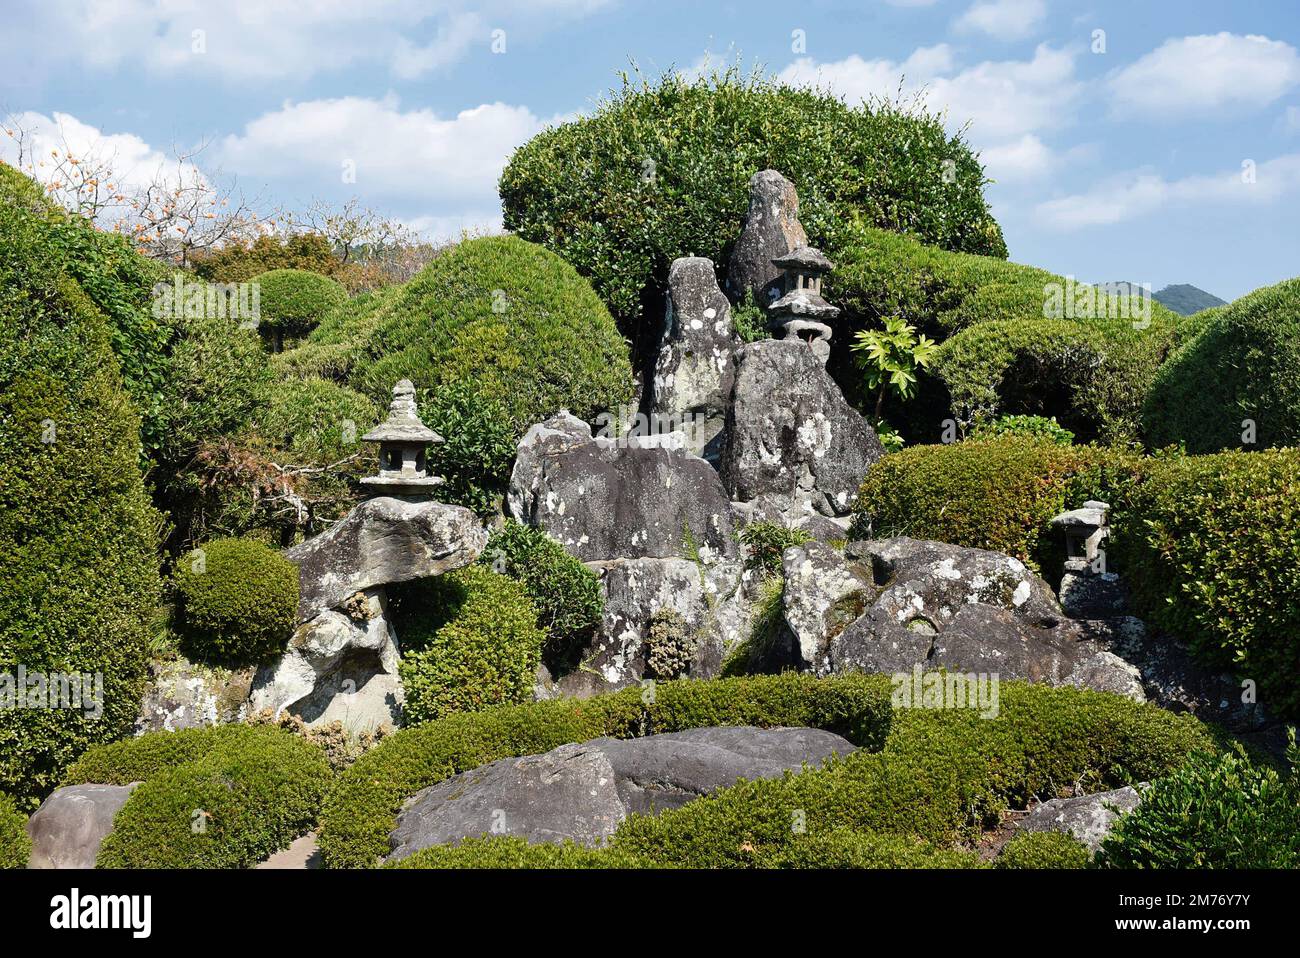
(1035,427)
(845,848)
(331,349)
(294,301)
(507,318)
(999,494)
(766,542)
(1043,850)
(1218,811)
(566,593)
(941,774)
(1209,546)
(510,852)
(470,639)
(1244,364)
(361,810)
(250,795)
(316,420)
(236,601)
(660,170)
(78,538)
(241,262)
(479,451)
(15,846)
(145,756)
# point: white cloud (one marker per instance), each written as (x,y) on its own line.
(1004,19)
(1206,74)
(1289,121)
(1141,192)
(857,79)
(1024,159)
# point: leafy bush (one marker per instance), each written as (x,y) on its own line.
(766,542)
(15,846)
(845,848)
(294,301)
(1244,364)
(1218,811)
(1209,548)
(941,774)
(78,538)
(508,319)
(241,262)
(236,601)
(479,451)
(890,359)
(145,756)
(254,791)
(1043,850)
(566,593)
(660,170)
(361,810)
(1035,427)
(318,420)
(999,494)
(505,851)
(470,639)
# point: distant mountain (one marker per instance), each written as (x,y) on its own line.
(1183,299)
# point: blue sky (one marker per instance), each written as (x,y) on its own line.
(1171,156)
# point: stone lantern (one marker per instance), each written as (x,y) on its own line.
(802,313)
(1086,529)
(403,448)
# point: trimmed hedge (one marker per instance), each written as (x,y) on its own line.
(253,791)
(941,774)
(294,301)
(505,851)
(998,494)
(1209,546)
(310,418)
(660,170)
(79,581)
(236,601)
(361,809)
(1243,364)
(1043,850)
(15,846)
(845,848)
(470,639)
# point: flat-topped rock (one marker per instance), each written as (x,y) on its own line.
(72,822)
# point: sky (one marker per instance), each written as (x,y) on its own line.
(1153,142)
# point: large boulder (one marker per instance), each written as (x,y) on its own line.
(691,386)
(823,594)
(582,792)
(72,822)
(771,229)
(790,432)
(625,497)
(1089,818)
(382,541)
(182,694)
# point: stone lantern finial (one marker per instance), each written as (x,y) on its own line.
(802,313)
(404,442)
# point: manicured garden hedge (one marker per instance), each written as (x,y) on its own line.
(15,846)
(1053,850)
(224,797)
(361,810)
(1244,364)
(508,852)
(294,301)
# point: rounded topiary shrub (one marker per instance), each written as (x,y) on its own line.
(294,301)
(846,848)
(15,846)
(236,601)
(470,639)
(249,794)
(1043,850)
(510,852)
(316,419)
(1242,368)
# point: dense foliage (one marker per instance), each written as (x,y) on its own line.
(510,852)
(15,846)
(478,447)
(77,534)
(470,639)
(241,262)
(1051,850)
(294,301)
(1242,367)
(1036,427)
(236,602)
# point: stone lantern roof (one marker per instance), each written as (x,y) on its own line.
(806,259)
(404,442)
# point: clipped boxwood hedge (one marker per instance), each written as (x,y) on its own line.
(225,797)
(1053,850)
(361,809)
(845,848)
(15,846)
(507,851)
(294,301)
(1244,364)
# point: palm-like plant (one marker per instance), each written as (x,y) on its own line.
(889,358)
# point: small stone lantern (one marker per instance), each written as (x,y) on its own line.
(802,313)
(403,448)
(1085,531)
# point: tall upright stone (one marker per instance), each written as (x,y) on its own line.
(771,230)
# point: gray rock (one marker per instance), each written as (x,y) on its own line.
(71,823)
(382,541)
(791,434)
(823,594)
(583,791)
(1089,818)
(619,498)
(1088,595)
(771,229)
(340,666)
(694,370)
(182,695)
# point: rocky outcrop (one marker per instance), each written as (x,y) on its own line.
(630,498)
(582,792)
(70,825)
(790,433)
(823,594)
(181,694)
(771,229)
(1089,818)
(693,374)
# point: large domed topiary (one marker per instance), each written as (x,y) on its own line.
(294,301)
(1243,367)
(236,601)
